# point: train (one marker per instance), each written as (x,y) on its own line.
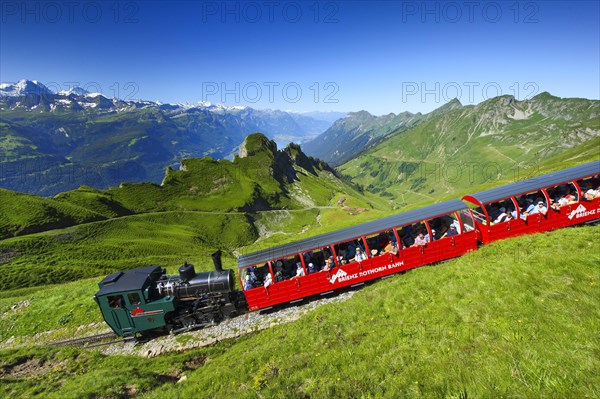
(142,300)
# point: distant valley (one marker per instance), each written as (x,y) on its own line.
(54,142)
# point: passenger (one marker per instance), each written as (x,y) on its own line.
(427,238)
(248,285)
(530,205)
(420,240)
(311,268)
(528,210)
(299,270)
(570,198)
(278,275)
(360,256)
(555,205)
(509,217)
(456,225)
(268,280)
(540,208)
(252,275)
(502,216)
(494,212)
(590,194)
(392,247)
(374,253)
(562,202)
(328,265)
(451,231)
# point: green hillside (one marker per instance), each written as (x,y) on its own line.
(25,213)
(261,178)
(517,318)
(496,140)
(263,194)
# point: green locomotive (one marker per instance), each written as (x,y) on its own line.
(143,299)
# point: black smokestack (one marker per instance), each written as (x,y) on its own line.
(216,257)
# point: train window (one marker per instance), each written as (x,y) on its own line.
(346,251)
(115,301)
(381,243)
(501,211)
(467,219)
(258,274)
(410,232)
(317,258)
(250,276)
(134,298)
(527,202)
(561,195)
(285,268)
(444,226)
(477,213)
(590,187)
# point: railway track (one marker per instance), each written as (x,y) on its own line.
(90,341)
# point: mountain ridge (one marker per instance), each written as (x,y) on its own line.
(485,142)
(359,131)
(55,142)
(262,177)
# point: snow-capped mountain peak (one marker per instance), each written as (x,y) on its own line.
(78,91)
(23,87)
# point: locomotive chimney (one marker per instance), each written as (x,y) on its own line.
(216,257)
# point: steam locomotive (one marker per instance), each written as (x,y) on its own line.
(145,299)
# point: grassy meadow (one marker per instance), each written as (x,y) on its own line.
(515,319)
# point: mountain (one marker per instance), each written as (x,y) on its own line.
(22,88)
(74,90)
(260,178)
(359,131)
(54,142)
(494,140)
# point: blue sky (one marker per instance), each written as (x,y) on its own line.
(306,55)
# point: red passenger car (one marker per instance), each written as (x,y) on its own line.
(353,255)
(570,196)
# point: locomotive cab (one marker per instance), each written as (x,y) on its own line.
(128,304)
